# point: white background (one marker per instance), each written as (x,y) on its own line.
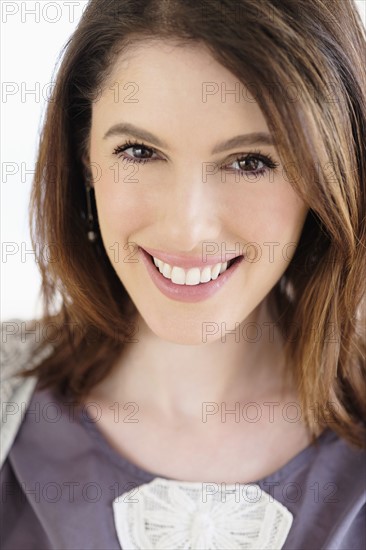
(33,34)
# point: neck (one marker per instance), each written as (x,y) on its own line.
(177,381)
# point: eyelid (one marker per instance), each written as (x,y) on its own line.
(267,159)
(135,143)
(251,153)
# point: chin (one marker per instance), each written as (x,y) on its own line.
(179,331)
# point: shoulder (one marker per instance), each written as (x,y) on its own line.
(342,463)
(18,352)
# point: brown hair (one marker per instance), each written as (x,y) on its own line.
(303,63)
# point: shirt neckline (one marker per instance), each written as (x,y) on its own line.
(298,461)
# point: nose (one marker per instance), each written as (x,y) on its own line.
(189,212)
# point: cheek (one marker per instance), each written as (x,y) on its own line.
(119,215)
(121,205)
(277,217)
(270,222)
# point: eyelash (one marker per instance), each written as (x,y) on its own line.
(267,160)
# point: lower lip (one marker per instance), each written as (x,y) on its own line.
(187,293)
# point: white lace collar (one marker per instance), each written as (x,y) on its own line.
(173,515)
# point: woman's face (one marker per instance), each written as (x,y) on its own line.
(189,197)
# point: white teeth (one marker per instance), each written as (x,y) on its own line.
(206,274)
(192,276)
(166,270)
(216,271)
(178,275)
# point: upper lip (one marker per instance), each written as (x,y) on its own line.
(188,263)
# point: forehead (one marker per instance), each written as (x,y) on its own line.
(166,84)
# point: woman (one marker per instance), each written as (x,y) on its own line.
(199,204)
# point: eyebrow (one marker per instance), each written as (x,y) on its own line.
(255,138)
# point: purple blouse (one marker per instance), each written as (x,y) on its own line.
(61,476)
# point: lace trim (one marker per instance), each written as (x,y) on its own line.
(165,514)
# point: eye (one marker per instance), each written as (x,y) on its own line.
(254,163)
(250,164)
(140,152)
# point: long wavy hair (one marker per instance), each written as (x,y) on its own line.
(303,62)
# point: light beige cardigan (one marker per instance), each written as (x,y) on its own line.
(16,353)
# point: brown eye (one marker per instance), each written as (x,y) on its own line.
(249,164)
(135,152)
(141,152)
(255,164)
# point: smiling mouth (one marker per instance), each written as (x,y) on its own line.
(229,264)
